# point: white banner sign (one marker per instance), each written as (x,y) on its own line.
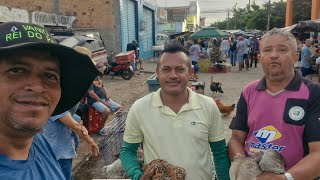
(13,14)
(51,19)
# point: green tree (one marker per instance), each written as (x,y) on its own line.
(301,10)
(256,17)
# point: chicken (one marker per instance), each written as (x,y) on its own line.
(164,171)
(215,86)
(225,110)
(248,168)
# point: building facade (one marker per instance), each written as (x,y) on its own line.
(189,14)
(117,21)
(138,22)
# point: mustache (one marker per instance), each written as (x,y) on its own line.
(32,99)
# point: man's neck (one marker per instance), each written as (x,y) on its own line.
(175,102)
(276,86)
(16,148)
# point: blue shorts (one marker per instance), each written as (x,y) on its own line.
(240,57)
(101,107)
(196,66)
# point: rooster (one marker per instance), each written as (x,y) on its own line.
(225,110)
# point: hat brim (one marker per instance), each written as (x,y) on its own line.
(76,76)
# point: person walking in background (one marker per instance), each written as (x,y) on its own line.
(35,83)
(233,51)
(246,53)
(254,51)
(195,51)
(306,58)
(241,47)
(175,119)
(292,128)
(225,47)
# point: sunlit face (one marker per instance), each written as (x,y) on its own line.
(277,57)
(174,73)
(29,91)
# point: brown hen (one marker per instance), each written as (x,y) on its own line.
(225,110)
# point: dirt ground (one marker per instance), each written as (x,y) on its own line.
(126,92)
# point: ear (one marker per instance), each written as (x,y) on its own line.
(158,71)
(295,58)
(259,57)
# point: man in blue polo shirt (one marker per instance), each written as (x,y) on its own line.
(280,112)
(35,83)
(306,58)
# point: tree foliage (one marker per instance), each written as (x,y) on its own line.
(257,16)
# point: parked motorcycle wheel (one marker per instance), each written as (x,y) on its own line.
(126,74)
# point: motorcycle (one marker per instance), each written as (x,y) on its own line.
(114,69)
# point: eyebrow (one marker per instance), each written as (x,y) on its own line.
(18,61)
(172,66)
(280,45)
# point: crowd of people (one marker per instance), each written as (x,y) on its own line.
(39,128)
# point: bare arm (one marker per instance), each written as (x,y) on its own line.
(79,129)
(236,144)
(308,167)
(96,97)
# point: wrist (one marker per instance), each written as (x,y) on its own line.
(288,176)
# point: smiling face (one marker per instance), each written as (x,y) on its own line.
(29,91)
(277,56)
(174,73)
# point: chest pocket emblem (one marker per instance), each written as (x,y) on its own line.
(296,113)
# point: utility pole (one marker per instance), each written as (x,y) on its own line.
(249,6)
(235,16)
(269,12)
(228,19)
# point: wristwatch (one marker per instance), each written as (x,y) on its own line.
(288,176)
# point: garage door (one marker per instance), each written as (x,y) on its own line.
(148,38)
(128,23)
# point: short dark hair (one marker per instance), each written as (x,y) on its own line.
(174,48)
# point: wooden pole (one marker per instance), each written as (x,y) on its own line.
(289,12)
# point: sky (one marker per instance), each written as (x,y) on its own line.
(213,10)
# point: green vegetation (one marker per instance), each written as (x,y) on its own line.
(257,17)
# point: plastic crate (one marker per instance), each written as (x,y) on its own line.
(153,83)
(125,57)
(94,120)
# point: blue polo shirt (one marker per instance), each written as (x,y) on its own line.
(41,164)
(305,52)
(286,121)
